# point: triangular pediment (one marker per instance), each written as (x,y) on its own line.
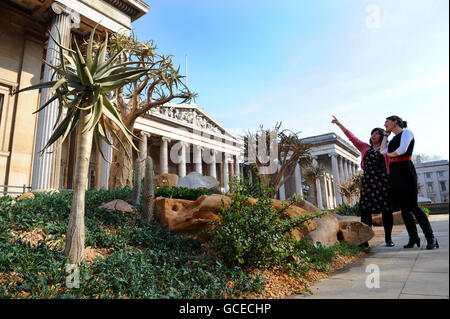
(190,114)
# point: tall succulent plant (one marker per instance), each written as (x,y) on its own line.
(80,83)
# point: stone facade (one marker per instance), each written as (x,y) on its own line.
(181,138)
(433,180)
(24,42)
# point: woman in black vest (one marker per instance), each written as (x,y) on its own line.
(403,180)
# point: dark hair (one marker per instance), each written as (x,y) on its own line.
(380,131)
(400,122)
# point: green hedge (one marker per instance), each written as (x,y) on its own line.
(181,192)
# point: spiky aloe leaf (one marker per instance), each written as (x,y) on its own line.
(43,85)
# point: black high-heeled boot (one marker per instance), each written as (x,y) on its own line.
(432,243)
(412,242)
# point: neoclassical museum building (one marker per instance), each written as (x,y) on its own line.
(205,145)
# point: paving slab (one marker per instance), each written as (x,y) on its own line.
(415,273)
(349,289)
(426,283)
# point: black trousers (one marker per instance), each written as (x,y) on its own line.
(388,222)
(403,180)
(408,214)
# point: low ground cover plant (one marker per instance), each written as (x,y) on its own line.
(134,259)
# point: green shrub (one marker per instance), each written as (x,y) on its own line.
(144,261)
(348,210)
(253,235)
(425,210)
(181,192)
(319,257)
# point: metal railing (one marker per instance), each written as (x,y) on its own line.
(6,188)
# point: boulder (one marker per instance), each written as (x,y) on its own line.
(326,232)
(377,219)
(118,205)
(165,180)
(308,206)
(293,211)
(25,195)
(354,232)
(197,180)
(346,218)
(189,217)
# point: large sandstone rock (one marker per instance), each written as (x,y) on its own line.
(377,219)
(346,218)
(191,217)
(326,232)
(354,232)
(197,180)
(165,180)
(118,205)
(293,211)
(26,195)
(308,206)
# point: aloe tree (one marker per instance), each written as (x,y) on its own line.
(162,83)
(80,83)
(290,151)
(312,174)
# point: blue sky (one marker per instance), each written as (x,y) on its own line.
(258,62)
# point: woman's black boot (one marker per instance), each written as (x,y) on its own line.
(412,242)
(432,243)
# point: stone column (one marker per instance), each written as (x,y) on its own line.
(98,169)
(212,165)
(198,158)
(46,166)
(350,169)
(225,172)
(341,169)
(164,156)
(182,163)
(106,165)
(337,180)
(236,166)
(318,186)
(346,172)
(298,181)
(437,187)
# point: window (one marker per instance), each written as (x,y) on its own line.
(441,174)
(445,198)
(428,175)
(430,187)
(443,186)
(92,179)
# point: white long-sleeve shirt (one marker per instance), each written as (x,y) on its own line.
(405,140)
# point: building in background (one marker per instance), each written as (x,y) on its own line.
(433,180)
(339,160)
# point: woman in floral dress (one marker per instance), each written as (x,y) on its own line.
(375,198)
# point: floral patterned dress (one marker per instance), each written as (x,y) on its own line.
(375,197)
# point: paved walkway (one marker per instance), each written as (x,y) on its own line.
(415,273)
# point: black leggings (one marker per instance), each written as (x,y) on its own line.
(388,223)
